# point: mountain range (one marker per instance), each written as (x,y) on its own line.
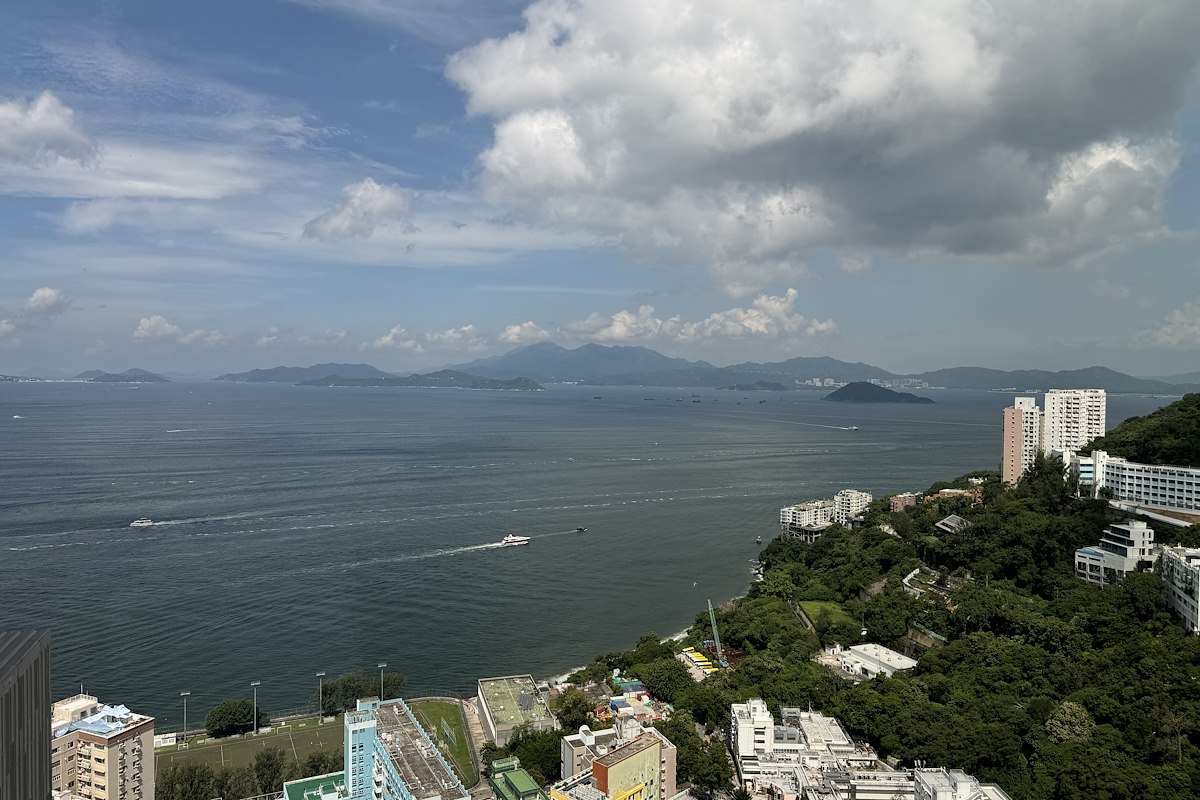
(300,374)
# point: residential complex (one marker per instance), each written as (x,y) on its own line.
(510,701)
(899,502)
(811,757)
(388,756)
(849,503)
(101,752)
(1181,577)
(1022,437)
(1122,549)
(617,761)
(1072,419)
(1153,485)
(24,709)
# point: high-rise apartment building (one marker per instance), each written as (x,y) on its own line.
(1022,435)
(24,709)
(1072,418)
(389,756)
(849,503)
(101,752)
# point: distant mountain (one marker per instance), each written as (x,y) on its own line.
(805,367)
(128,376)
(444,379)
(1183,378)
(757,386)
(863,392)
(300,374)
(1034,379)
(546,361)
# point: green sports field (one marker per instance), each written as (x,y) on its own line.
(432,714)
(296,740)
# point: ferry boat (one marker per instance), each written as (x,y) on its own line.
(144,522)
(581,529)
(512,540)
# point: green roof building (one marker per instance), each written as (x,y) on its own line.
(510,782)
(331,786)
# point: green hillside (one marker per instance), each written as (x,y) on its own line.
(1170,435)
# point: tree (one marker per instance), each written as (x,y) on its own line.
(1070,723)
(343,692)
(233,717)
(321,762)
(666,678)
(712,770)
(573,709)
(268,769)
(741,793)
(236,783)
(187,780)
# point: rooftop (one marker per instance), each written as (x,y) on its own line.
(413,755)
(85,713)
(513,700)
(318,787)
(885,655)
(643,742)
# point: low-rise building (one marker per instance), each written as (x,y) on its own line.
(806,521)
(1123,548)
(509,701)
(1164,486)
(602,759)
(331,786)
(944,784)
(510,782)
(389,756)
(848,504)
(869,660)
(952,524)
(101,751)
(1181,583)
(899,502)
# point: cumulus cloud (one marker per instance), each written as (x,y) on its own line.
(769,316)
(464,338)
(452,339)
(159,329)
(523,333)
(368,205)
(42,131)
(46,302)
(398,339)
(7,328)
(1179,330)
(742,137)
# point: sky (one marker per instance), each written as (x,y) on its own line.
(209,187)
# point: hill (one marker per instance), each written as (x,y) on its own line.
(863,392)
(444,379)
(1034,379)
(546,361)
(757,386)
(128,376)
(1170,435)
(299,374)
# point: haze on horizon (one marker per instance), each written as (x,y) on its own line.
(205,188)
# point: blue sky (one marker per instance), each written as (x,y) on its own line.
(207,187)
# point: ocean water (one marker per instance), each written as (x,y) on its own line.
(304,529)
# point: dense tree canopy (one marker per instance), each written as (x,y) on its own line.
(233,717)
(1170,435)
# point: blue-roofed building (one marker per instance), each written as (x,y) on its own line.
(389,756)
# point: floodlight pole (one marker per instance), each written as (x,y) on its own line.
(254,685)
(382,664)
(184,695)
(320,697)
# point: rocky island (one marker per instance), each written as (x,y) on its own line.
(863,392)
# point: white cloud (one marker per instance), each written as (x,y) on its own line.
(6,328)
(42,131)
(452,22)
(1179,330)
(523,333)
(397,338)
(46,302)
(464,338)
(156,327)
(742,137)
(768,317)
(276,336)
(368,205)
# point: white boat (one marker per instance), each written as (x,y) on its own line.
(144,522)
(512,540)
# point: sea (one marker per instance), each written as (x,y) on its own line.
(302,529)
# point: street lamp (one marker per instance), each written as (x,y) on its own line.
(382,664)
(320,697)
(254,685)
(184,695)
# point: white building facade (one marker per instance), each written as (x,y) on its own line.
(1154,485)
(1073,418)
(849,503)
(869,660)
(1122,549)
(1181,577)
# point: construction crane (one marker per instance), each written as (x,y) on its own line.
(716,637)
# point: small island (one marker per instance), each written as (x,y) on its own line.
(863,392)
(757,386)
(128,376)
(444,379)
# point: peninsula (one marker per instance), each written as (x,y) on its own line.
(863,392)
(444,379)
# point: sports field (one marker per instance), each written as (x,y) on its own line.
(436,716)
(296,740)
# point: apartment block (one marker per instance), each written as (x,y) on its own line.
(24,709)
(1152,485)
(1022,437)
(849,503)
(389,756)
(899,502)
(1122,549)
(101,752)
(604,756)
(1181,579)
(1073,418)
